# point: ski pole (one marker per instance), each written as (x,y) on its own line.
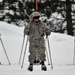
(4,50)
(24,53)
(74,53)
(47,57)
(21,49)
(49,52)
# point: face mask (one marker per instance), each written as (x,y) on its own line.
(36,19)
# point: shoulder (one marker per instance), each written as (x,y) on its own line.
(43,24)
(28,25)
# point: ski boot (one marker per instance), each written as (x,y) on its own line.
(43,67)
(30,68)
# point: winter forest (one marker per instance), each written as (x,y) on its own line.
(18,11)
(59,15)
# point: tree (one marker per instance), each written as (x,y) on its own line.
(52,9)
(69,17)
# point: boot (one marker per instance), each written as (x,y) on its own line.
(43,67)
(30,68)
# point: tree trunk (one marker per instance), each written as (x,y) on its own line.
(69,18)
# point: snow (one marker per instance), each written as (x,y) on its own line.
(1,0)
(61,46)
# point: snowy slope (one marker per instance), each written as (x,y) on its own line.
(61,45)
(12,39)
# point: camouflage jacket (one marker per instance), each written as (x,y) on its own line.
(36,30)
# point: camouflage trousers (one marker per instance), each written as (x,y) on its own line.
(37,49)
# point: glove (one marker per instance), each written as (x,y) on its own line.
(42,34)
(47,34)
(27,33)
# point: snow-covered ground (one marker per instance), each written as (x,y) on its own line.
(61,46)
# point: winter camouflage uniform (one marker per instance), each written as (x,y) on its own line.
(36,32)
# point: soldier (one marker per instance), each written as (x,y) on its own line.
(36,31)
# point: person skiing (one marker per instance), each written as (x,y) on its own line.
(36,30)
